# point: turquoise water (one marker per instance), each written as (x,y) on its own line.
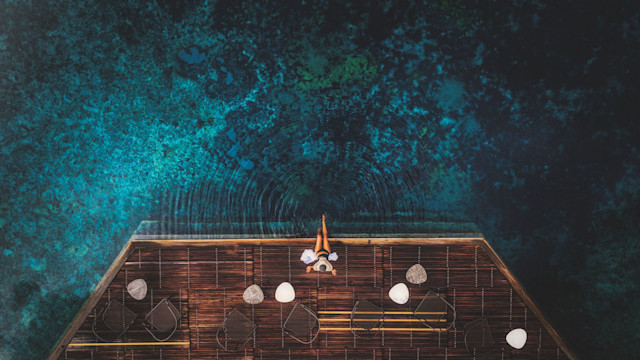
(517,116)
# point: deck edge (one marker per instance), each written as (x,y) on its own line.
(90,303)
(133,243)
(528,300)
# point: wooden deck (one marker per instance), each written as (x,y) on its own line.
(206,278)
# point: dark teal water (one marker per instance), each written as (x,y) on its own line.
(520,116)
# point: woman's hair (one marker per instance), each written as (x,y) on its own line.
(323,267)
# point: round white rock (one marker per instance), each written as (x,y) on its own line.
(285,293)
(253,295)
(137,289)
(399,293)
(517,338)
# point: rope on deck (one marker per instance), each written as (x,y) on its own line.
(375,268)
(482,307)
(309,320)
(197,329)
(447,266)
(289,253)
(476,265)
(244,253)
(411,332)
(125,333)
(346,265)
(391,265)
(217,267)
(539,342)
(382,308)
(160,268)
(510,308)
(455,333)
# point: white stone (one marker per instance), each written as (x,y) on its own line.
(416,274)
(253,295)
(399,293)
(285,293)
(137,289)
(517,338)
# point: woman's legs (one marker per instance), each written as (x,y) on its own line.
(318,242)
(324,235)
(326,245)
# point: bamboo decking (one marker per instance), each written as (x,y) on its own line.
(206,278)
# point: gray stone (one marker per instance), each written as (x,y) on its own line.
(137,289)
(416,274)
(253,295)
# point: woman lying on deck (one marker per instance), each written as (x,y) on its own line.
(322,253)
